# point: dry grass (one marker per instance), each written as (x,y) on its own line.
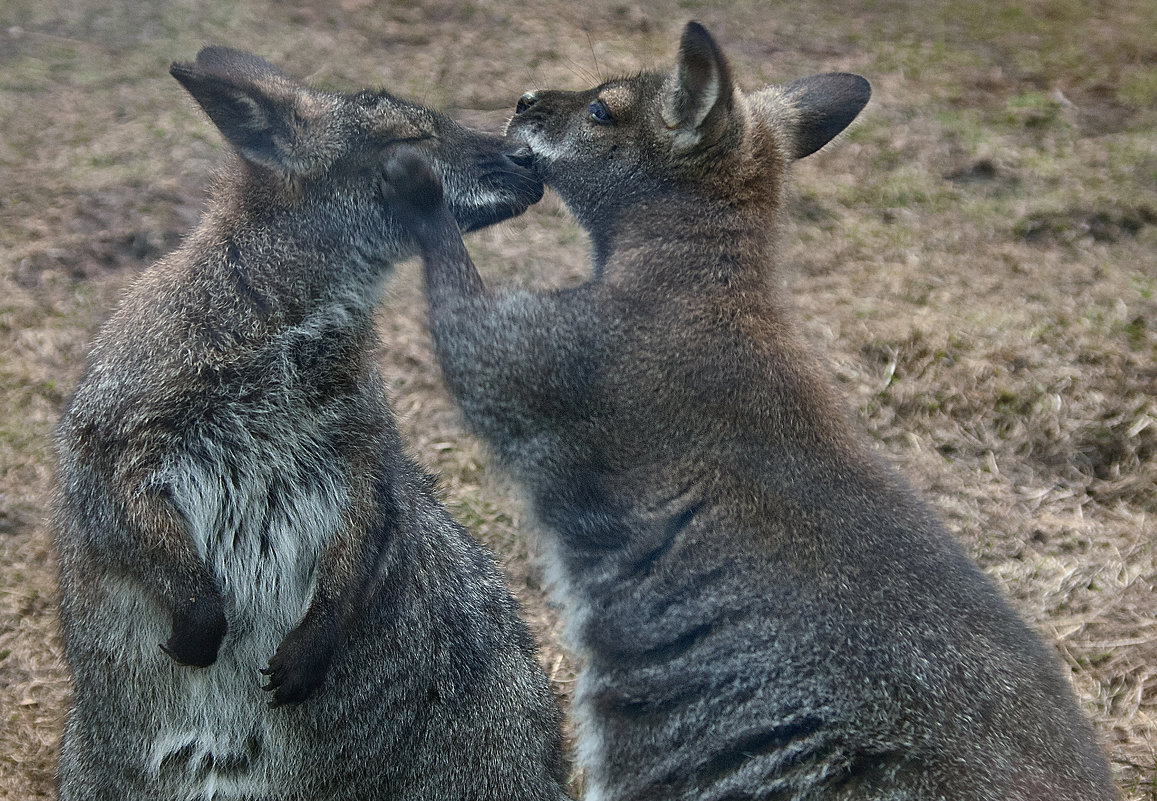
(976,260)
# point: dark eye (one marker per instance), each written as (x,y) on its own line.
(599,113)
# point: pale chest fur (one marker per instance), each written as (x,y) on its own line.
(259,512)
(259,516)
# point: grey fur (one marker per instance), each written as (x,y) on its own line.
(764,609)
(233,489)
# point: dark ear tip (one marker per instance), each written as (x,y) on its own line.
(696,36)
(827,104)
(232,64)
(849,89)
(188,75)
(858,88)
(217,53)
(694,28)
(697,45)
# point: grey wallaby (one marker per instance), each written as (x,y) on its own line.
(762,607)
(233,489)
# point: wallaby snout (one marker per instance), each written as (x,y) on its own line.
(502,187)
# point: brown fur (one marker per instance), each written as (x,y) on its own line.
(233,489)
(764,609)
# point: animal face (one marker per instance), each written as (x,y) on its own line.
(481,182)
(689,133)
(598,148)
(324,152)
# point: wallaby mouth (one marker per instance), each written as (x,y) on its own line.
(514,189)
(522,178)
(523,156)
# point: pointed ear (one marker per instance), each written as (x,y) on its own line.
(698,95)
(824,106)
(256,107)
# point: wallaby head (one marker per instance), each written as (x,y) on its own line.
(668,142)
(323,152)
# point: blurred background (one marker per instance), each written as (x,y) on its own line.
(976,260)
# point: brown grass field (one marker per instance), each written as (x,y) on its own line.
(976,260)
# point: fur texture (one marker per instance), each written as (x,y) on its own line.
(233,489)
(764,609)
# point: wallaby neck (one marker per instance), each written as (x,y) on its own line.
(712,245)
(287,273)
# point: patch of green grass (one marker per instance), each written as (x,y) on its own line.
(905,187)
(1139,88)
(964,126)
(1033,110)
(916,59)
(1144,284)
(1136,333)
(1040,38)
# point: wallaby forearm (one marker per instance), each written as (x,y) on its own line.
(159,553)
(450,272)
(496,375)
(345,571)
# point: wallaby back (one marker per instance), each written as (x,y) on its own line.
(233,489)
(763,608)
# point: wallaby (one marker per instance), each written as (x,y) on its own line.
(232,488)
(763,608)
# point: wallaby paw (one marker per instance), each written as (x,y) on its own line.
(199,627)
(299,666)
(410,186)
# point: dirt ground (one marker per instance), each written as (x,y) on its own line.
(976,260)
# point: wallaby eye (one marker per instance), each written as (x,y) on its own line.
(599,113)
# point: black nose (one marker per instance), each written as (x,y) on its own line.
(525,102)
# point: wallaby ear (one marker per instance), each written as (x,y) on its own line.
(824,106)
(698,95)
(255,106)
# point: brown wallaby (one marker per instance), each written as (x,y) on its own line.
(763,608)
(233,488)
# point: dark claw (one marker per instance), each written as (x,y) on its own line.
(198,630)
(298,668)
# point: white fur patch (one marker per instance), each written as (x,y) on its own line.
(261,523)
(589,746)
(544,148)
(192,756)
(259,515)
